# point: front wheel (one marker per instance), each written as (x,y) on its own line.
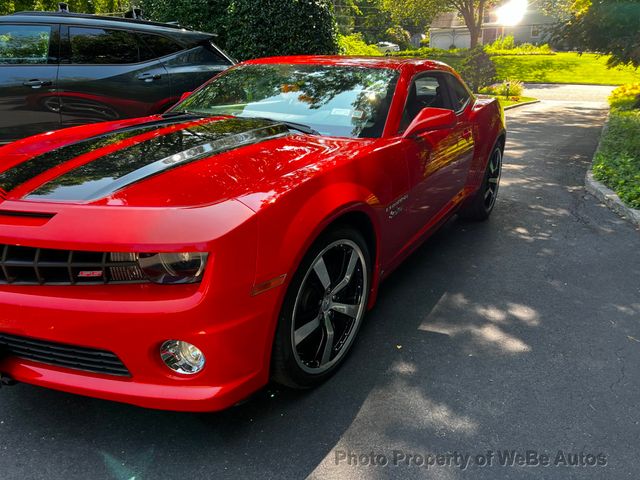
(323,309)
(480,206)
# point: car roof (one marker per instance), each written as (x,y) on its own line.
(369,62)
(90,20)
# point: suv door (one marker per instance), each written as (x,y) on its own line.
(190,68)
(104,75)
(28,75)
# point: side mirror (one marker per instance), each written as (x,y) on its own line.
(184,95)
(430,119)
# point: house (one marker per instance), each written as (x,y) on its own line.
(448,29)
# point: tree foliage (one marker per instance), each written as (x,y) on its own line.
(371,20)
(258,28)
(80,6)
(478,70)
(412,15)
(205,15)
(472,11)
(606,26)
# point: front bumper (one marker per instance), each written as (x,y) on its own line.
(132,322)
(220,315)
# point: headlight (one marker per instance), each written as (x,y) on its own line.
(182,267)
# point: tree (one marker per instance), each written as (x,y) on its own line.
(606,26)
(413,15)
(7,7)
(80,6)
(472,12)
(258,28)
(416,15)
(205,15)
(371,20)
(477,69)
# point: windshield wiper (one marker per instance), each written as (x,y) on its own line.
(301,127)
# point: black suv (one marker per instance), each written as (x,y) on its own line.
(64,69)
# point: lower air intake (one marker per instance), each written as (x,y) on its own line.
(62,355)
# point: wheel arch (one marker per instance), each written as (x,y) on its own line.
(303,219)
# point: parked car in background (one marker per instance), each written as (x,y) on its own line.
(387,47)
(64,69)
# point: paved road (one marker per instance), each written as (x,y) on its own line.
(592,94)
(519,333)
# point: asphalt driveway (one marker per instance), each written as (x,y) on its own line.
(521,333)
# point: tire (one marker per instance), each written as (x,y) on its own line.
(323,309)
(480,206)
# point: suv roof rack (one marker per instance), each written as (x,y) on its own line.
(134,16)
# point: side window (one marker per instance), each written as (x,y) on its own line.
(24,44)
(157,46)
(427,90)
(91,46)
(460,94)
(203,53)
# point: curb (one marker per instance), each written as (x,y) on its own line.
(509,107)
(611,200)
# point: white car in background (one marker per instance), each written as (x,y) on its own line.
(387,47)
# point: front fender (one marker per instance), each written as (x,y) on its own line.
(288,227)
(287,230)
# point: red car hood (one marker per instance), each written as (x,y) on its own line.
(176,161)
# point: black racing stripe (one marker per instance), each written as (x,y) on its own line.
(117,170)
(23,172)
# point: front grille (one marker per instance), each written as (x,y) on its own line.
(46,266)
(61,355)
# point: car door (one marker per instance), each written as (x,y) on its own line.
(438,160)
(105,75)
(28,79)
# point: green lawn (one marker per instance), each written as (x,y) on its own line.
(563,67)
(507,102)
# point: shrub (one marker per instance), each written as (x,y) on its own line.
(617,163)
(478,70)
(258,28)
(509,87)
(427,52)
(399,36)
(506,46)
(488,90)
(354,44)
(625,97)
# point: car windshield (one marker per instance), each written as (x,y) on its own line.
(330,100)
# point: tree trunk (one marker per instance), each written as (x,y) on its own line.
(474,36)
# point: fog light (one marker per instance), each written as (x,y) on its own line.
(182,357)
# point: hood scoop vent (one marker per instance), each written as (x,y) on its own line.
(31,219)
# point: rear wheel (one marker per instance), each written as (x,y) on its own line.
(323,309)
(480,206)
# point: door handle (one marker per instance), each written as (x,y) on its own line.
(466,134)
(149,77)
(35,83)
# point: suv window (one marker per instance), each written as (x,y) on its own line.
(158,46)
(460,94)
(24,44)
(101,46)
(427,90)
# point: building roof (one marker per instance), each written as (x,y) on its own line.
(448,20)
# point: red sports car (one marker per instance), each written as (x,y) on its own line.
(181,261)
